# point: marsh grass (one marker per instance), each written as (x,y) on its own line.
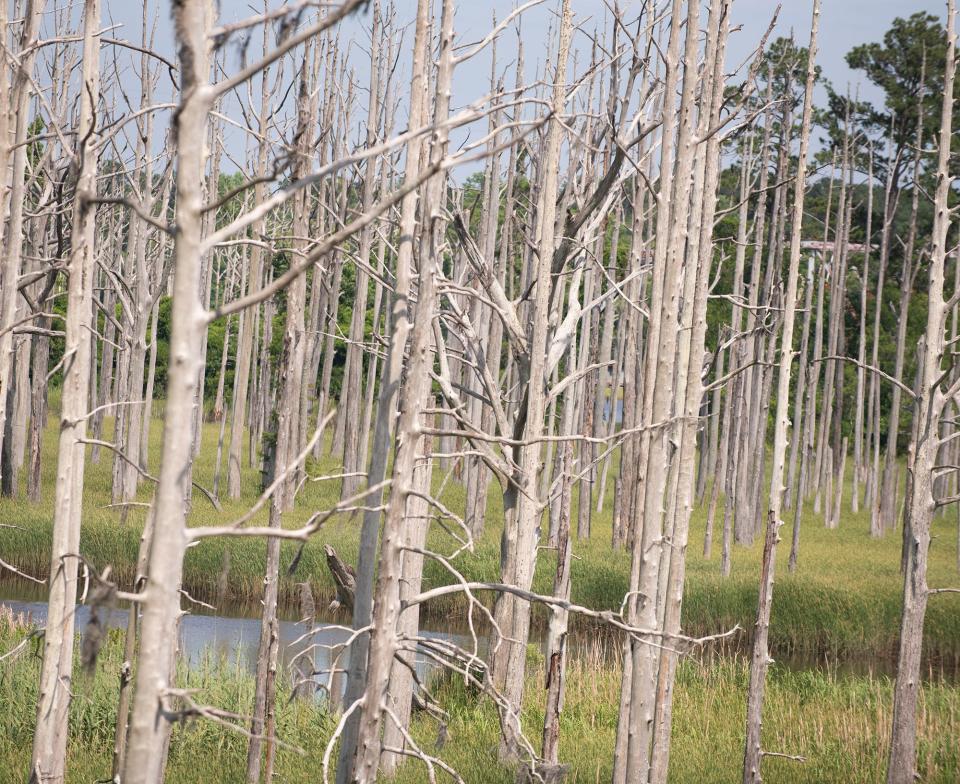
(837,722)
(199,751)
(844,599)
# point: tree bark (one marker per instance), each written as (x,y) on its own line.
(930,403)
(287,409)
(10,362)
(358,677)
(753,754)
(657,445)
(523,505)
(48,763)
(149,720)
(351,393)
(241,377)
(413,399)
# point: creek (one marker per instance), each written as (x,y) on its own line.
(231,634)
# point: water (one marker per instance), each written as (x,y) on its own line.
(619,411)
(231,634)
(231,639)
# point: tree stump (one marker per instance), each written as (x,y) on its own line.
(345,578)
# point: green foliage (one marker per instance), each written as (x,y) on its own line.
(912,54)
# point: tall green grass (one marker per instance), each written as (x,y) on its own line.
(843,600)
(837,723)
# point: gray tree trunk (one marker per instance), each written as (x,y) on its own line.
(413,399)
(931,400)
(400,321)
(760,660)
(149,721)
(48,762)
(523,506)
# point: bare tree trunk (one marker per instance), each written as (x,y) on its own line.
(320,289)
(400,696)
(557,639)
(889,208)
(753,425)
(930,403)
(218,406)
(706,173)
(759,661)
(241,376)
(523,506)
(650,554)
(10,361)
(796,433)
(891,468)
(148,392)
(814,381)
(833,370)
(48,763)
(332,307)
(733,413)
(286,449)
(351,393)
(129,652)
(40,361)
(753,753)
(38,409)
(358,677)
(858,435)
(605,394)
(105,380)
(489,328)
(130,436)
(805,450)
(149,720)
(10,270)
(413,398)
(208,262)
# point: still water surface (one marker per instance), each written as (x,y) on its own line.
(231,634)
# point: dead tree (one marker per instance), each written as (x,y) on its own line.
(287,435)
(932,397)
(886,504)
(362,606)
(13,202)
(50,735)
(348,422)
(519,541)
(413,399)
(152,703)
(633,755)
(753,753)
(241,377)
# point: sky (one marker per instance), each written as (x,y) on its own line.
(844,24)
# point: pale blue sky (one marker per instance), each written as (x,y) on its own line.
(844,24)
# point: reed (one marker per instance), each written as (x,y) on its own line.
(837,722)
